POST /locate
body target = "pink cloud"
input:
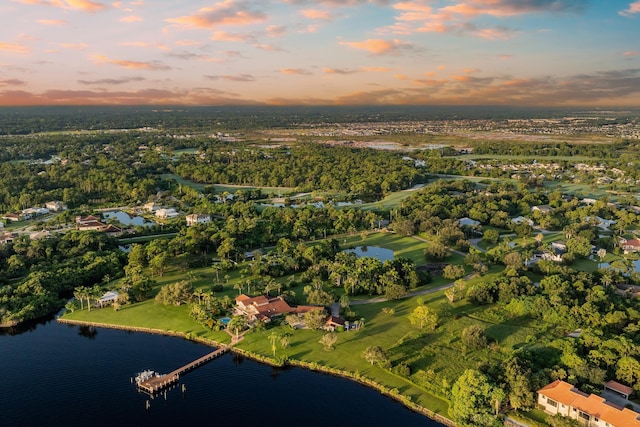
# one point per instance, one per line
(13, 47)
(232, 37)
(130, 19)
(632, 10)
(84, 5)
(276, 30)
(76, 46)
(142, 65)
(380, 46)
(52, 22)
(631, 53)
(296, 71)
(226, 12)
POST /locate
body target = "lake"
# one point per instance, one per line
(125, 219)
(55, 374)
(383, 254)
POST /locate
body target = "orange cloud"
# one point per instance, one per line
(77, 46)
(296, 71)
(232, 37)
(142, 65)
(84, 5)
(52, 22)
(412, 11)
(187, 43)
(130, 19)
(13, 47)
(380, 46)
(226, 12)
(322, 15)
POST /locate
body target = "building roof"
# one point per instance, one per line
(620, 388)
(593, 405)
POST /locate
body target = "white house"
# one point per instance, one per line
(55, 206)
(167, 213)
(468, 222)
(194, 219)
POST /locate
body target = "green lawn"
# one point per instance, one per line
(436, 359)
(221, 188)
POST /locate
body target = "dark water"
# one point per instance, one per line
(62, 375)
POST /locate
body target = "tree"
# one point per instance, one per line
(473, 337)
(473, 400)
(328, 341)
(285, 339)
(436, 252)
(314, 319)
(453, 272)
(491, 236)
(273, 337)
(374, 354)
(175, 293)
(237, 324)
(423, 318)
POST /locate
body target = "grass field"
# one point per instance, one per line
(221, 188)
(436, 358)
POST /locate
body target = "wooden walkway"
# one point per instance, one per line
(156, 384)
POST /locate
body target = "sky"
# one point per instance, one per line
(320, 52)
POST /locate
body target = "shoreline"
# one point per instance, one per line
(312, 366)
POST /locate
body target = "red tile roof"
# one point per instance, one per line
(620, 388)
(593, 405)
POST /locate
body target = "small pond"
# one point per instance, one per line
(125, 219)
(383, 254)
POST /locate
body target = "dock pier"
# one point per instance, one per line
(156, 384)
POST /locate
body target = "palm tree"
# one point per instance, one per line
(273, 337)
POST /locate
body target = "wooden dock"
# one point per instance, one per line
(156, 384)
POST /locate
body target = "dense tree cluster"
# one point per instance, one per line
(35, 275)
(360, 173)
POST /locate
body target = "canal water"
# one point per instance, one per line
(53, 374)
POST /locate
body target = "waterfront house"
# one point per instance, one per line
(107, 298)
(562, 398)
(264, 308)
(166, 213)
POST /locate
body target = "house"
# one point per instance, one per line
(544, 209)
(107, 298)
(31, 212)
(39, 235)
(602, 223)
(194, 219)
(631, 245)
(150, 207)
(167, 213)
(13, 217)
(591, 410)
(520, 219)
(90, 226)
(87, 219)
(55, 206)
(468, 222)
(334, 323)
(7, 237)
(619, 389)
(264, 308)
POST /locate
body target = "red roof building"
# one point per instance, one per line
(563, 398)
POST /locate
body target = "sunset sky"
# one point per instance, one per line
(324, 52)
